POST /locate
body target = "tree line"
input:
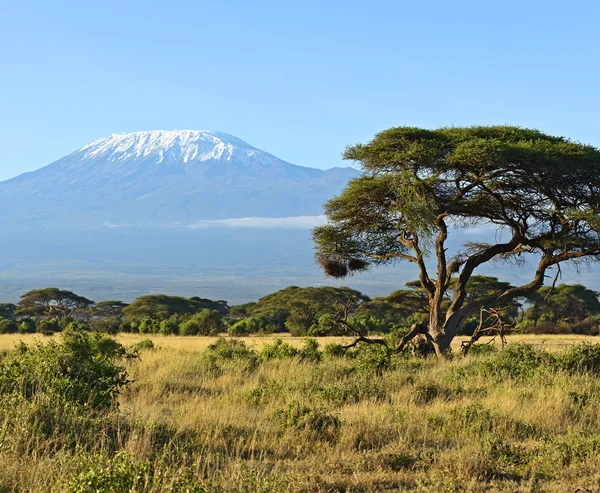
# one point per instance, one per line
(309, 311)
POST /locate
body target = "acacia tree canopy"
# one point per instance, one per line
(542, 192)
(51, 302)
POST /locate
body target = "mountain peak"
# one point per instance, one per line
(188, 145)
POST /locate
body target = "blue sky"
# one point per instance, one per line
(298, 79)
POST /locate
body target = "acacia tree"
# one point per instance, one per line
(51, 302)
(541, 192)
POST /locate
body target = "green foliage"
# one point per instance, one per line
(206, 322)
(162, 307)
(310, 350)
(7, 310)
(278, 350)
(374, 359)
(564, 305)
(143, 345)
(82, 369)
(321, 425)
(27, 326)
(580, 358)
(44, 326)
(517, 361)
(8, 326)
(299, 310)
(108, 309)
(51, 302)
(230, 349)
(119, 474)
(334, 350)
(245, 327)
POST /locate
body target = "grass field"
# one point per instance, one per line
(198, 420)
(550, 342)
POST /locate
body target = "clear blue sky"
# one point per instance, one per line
(298, 79)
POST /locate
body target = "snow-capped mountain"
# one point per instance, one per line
(160, 178)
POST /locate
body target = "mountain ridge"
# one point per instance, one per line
(164, 177)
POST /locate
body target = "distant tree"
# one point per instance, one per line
(162, 307)
(51, 303)
(563, 304)
(238, 312)
(221, 306)
(298, 309)
(108, 309)
(7, 310)
(541, 191)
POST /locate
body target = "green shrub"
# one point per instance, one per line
(148, 326)
(82, 369)
(27, 326)
(119, 474)
(168, 327)
(310, 350)
(582, 358)
(373, 359)
(47, 326)
(518, 361)
(230, 349)
(278, 350)
(334, 350)
(320, 424)
(206, 322)
(245, 327)
(8, 326)
(143, 345)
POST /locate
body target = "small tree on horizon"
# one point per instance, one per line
(541, 191)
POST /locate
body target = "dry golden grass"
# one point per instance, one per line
(550, 342)
(336, 425)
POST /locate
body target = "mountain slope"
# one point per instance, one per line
(165, 178)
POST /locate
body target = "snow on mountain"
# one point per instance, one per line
(161, 178)
(186, 145)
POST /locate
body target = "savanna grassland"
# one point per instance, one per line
(84, 415)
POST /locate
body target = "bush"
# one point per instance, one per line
(47, 326)
(83, 369)
(206, 322)
(320, 424)
(144, 344)
(334, 350)
(230, 349)
(373, 359)
(278, 350)
(27, 326)
(583, 358)
(120, 474)
(245, 327)
(8, 326)
(518, 361)
(168, 327)
(310, 350)
(148, 326)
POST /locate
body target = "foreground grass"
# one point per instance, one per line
(196, 420)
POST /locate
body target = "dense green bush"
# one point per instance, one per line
(8, 326)
(84, 369)
(206, 322)
(583, 358)
(245, 327)
(278, 350)
(517, 360)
